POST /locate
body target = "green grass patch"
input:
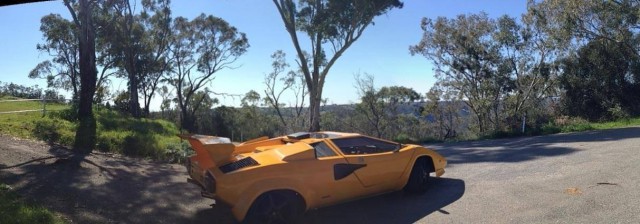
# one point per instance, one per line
(13, 209)
(566, 124)
(6, 106)
(149, 138)
(117, 133)
(617, 124)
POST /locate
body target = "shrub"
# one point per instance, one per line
(404, 138)
(54, 131)
(142, 145)
(576, 124)
(69, 114)
(550, 128)
(178, 152)
(618, 113)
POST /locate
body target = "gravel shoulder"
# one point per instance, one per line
(589, 177)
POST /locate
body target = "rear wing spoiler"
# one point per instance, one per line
(210, 150)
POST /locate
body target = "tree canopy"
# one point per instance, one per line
(328, 24)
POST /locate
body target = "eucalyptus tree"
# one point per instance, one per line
(61, 43)
(85, 137)
(445, 109)
(199, 49)
(380, 108)
(136, 41)
(602, 81)
(328, 24)
(576, 22)
(156, 20)
(467, 60)
(124, 44)
(600, 40)
(279, 82)
(504, 69)
(529, 57)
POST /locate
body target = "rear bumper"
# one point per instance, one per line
(203, 191)
(199, 177)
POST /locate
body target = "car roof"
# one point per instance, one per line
(333, 134)
(321, 135)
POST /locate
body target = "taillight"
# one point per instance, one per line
(209, 183)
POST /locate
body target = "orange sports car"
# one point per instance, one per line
(276, 180)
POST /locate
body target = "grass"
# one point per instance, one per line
(27, 105)
(14, 210)
(565, 125)
(117, 133)
(617, 124)
(21, 124)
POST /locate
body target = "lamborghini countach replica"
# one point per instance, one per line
(276, 180)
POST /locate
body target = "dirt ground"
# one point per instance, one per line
(105, 188)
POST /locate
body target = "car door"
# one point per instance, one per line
(326, 177)
(381, 162)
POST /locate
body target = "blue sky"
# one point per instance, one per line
(382, 51)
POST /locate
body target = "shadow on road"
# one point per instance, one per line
(527, 148)
(395, 207)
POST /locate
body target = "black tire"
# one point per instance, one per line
(276, 207)
(419, 178)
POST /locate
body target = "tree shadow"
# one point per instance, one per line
(526, 148)
(396, 207)
(107, 190)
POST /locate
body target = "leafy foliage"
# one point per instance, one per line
(501, 69)
(206, 44)
(597, 82)
(62, 44)
(329, 24)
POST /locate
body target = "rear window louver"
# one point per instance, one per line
(246, 162)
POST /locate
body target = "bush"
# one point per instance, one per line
(69, 114)
(54, 131)
(618, 113)
(567, 124)
(178, 152)
(405, 139)
(550, 128)
(576, 124)
(111, 141)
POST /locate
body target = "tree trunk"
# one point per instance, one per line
(187, 120)
(134, 104)
(314, 110)
(85, 139)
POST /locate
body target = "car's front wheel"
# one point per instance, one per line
(276, 207)
(419, 177)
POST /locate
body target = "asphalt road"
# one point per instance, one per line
(589, 177)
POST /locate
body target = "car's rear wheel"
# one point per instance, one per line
(276, 207)
(419, 177)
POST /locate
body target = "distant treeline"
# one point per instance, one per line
(29, 92)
